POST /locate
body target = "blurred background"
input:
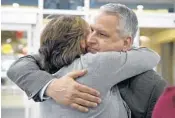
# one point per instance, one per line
(22, 21)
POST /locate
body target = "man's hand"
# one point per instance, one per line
(67, 91)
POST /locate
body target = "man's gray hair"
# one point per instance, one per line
(128, 19)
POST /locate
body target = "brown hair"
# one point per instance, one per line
(60, 42)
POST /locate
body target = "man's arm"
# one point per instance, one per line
(27, 74)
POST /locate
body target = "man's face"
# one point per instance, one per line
(105, 34)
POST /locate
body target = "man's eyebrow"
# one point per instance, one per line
(102, 30)
(99, 29)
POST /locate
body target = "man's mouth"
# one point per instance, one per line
(92, 50)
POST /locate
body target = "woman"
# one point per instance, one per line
(63, 48)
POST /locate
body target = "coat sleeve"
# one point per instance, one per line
(27, 74)
(105, 69)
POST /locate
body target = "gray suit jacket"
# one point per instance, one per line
(20, 77)
(105, 69)
(141, 93)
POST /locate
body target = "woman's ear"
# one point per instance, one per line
(127, 44)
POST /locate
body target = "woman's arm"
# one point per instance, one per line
(105, 69)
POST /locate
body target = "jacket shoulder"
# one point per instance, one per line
(141, 92)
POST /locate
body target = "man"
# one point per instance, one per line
(113, 30)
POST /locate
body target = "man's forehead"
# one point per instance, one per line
(101, 23)
(97, 26)
(96, 23)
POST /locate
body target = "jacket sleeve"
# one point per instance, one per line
(105, 69)
(27, 74)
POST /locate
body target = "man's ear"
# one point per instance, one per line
(83, 45)
(127, 44)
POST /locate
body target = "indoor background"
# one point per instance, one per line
(22, 21)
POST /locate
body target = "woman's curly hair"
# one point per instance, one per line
(60, 42)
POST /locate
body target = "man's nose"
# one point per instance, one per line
(91, 39)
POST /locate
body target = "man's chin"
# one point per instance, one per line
(92, 50)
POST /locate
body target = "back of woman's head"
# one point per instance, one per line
(60, 42)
